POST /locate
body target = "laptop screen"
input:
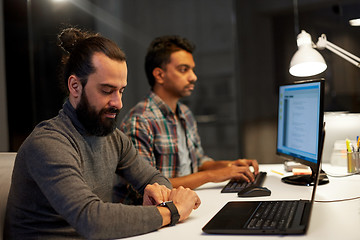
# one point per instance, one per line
(300, 121)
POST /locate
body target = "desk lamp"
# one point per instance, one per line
(308, 62)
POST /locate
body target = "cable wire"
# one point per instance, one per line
(340, 176)
(296, 18)
(337, 200)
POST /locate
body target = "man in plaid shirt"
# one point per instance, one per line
(164, 130)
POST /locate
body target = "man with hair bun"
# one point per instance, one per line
(66, 171)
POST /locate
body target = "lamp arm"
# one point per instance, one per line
(343, 51)
(343, 55)
(324, 43)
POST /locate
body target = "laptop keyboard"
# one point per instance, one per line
(234, 186)
(273, 215)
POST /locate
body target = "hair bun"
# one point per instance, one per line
(69, 37)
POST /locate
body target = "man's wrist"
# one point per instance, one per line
(174, 214)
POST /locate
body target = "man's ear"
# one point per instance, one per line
(74, 85)
(158, 74)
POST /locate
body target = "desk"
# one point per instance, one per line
(339, 220)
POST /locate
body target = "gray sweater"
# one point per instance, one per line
(63, 184)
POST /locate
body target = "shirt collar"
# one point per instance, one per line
(164, 108)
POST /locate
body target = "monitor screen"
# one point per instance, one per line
(300, 121)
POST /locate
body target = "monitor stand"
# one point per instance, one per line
(306, 180)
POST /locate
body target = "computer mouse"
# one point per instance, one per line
(254, 192)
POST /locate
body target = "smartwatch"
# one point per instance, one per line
(173, 210)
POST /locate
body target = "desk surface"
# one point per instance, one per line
(335, 220)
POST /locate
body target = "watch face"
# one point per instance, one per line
(163, 204)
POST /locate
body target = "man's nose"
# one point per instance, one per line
(116, 100)
(193, 77)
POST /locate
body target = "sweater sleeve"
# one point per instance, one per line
(55, 167)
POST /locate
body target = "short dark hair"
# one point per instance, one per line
(79, 47)
(160, 50)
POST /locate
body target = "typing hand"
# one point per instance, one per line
(247, 162)
(232, 171)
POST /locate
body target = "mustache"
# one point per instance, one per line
(192, 82)
(112, 110)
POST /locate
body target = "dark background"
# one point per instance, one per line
(243, 54)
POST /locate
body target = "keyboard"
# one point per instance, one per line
(273, 215)
(234, 186)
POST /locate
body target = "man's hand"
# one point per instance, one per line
(247, 162)
(155, 194)
(185, 200)
(237, 169)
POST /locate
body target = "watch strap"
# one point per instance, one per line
(173, 211)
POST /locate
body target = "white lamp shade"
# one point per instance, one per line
(306, 61)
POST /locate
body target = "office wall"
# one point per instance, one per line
(4, 135)
(210, 24)
(257, 83)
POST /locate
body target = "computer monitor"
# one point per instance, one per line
(300, 127)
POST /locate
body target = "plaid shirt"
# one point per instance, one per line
(152, 127)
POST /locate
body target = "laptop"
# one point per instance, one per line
(266, 217)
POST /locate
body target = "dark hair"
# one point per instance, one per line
(159, 51)
(79, 47)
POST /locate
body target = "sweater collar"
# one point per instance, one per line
(70, 111)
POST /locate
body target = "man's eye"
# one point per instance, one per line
(183, 69)
(106, 92)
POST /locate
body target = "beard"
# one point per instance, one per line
(92, 120)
